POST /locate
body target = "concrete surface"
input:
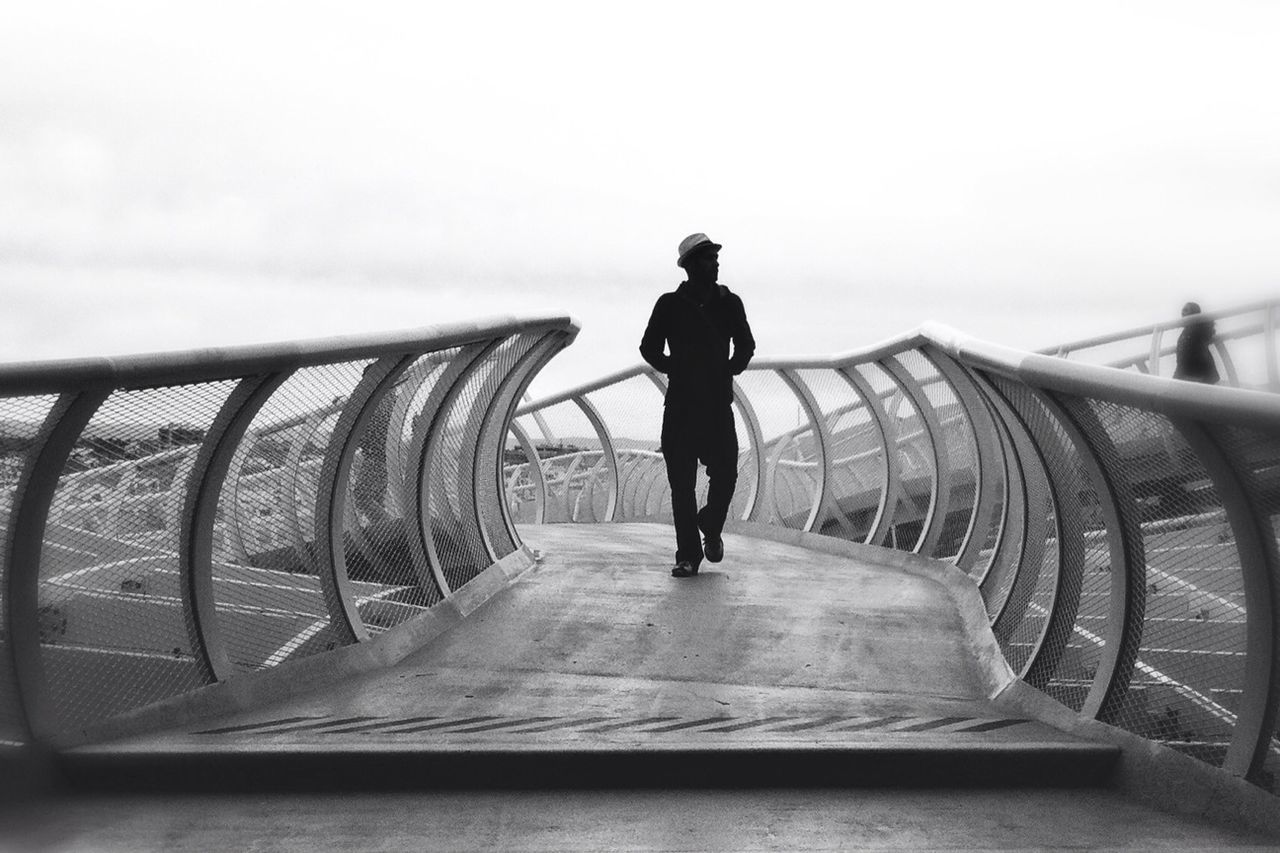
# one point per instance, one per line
(598, 645)
(598, 648)
(781, 820)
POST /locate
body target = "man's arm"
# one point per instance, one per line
(744, 343)
(654, 339)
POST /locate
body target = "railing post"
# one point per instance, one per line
(755, 436)
(939, 502)
(822, 441)
(1029, 518)
(1126, 551)
(986, 487)
(888, 433)
(202, 487)
(534, 464)
(472, 360)
(1060, 621)
(608, 455)
(24, 544)
(1255, 538)
(379, 377)
(495, 520)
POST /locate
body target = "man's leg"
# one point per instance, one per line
(681, 456)
(720, 454)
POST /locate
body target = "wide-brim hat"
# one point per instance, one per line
(694, 243)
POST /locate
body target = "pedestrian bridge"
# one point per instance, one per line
(373, 563)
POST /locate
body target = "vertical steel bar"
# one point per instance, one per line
(501, 538)
(987, 465)
(472, 361)
(755, 436)
(1242, 497)
(331, 495)
(822, 446)
(202, 487)
(888, 433)
(609, 454)
(24, 544)
(939, 502)
(1126, 551)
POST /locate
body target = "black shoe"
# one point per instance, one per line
(713, 549)
(684, 569)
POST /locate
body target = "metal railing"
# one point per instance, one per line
(1246, 346)
(1122, 528)
(176, 520)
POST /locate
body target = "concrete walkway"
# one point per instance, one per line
(598, 646)
(596, 649)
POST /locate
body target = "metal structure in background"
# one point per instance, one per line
(1246, 346)
(171, 521)
(1122, 528)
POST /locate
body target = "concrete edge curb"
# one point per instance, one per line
(1156, 775)
(250, 690)
(976, 624)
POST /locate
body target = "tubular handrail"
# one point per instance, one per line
(1160, 326)
(205, 365)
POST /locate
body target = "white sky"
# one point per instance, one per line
(1028, 173)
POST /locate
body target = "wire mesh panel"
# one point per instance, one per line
(856, 468)
(491, 477)
(1025, 492)
(112, 627)
(1258, 454)
(391, 579)
(20, 421)
(792, 459)
(453, 519)
(959, 448)
(632, 413)
(913, 456)
(1190, 661)
(1065, 657)
(269, 602)
(521, 471)
(573, 464)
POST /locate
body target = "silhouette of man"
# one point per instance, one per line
(697, 322)
(1193, 358)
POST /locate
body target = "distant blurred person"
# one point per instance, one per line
(697, 322)
(1194, 359)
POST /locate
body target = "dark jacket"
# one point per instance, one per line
(697, 337)
(1194, 359)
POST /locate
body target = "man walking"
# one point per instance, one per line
(696, 322)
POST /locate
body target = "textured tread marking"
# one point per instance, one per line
(813, 724)
(248, 727)
(689, 724)
(382, 724)
(444, 724)
(992, 725)
(878, 722)
(927, 725)
(749, 724)
(626, 723)
(504, 724)
(564, 724)
(327, 723)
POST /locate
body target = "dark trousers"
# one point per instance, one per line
(693, 434)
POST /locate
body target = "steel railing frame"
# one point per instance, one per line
(1148, 341)
(188, 508)
(1036, 444)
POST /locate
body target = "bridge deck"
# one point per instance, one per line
(599, 647)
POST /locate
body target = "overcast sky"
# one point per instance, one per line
(1028, 173)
